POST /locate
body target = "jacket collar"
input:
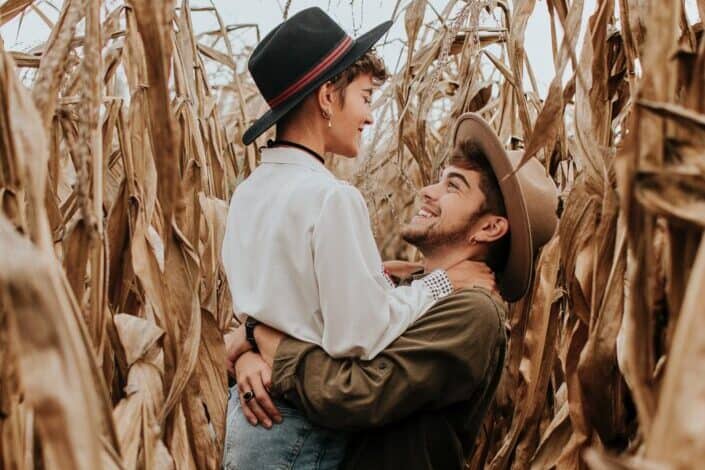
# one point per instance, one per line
(293, 156)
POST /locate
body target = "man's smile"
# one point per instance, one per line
(426, 213)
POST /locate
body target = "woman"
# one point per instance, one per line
(298, 249)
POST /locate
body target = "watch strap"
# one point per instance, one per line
(250, 325)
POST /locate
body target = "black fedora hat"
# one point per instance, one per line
(298, 56)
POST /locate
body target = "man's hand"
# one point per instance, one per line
(235, 345)
(254, 376)
(468, 274)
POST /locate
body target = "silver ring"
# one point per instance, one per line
(248, 396)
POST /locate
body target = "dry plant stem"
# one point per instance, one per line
(242, 105)
(55, 53)
(153, 19)
(90, 176)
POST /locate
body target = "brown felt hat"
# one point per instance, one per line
(530, 197)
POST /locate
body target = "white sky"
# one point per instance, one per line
(365, 14)
(356, 17)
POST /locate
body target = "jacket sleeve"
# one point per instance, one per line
(440, 360)
(362, 312)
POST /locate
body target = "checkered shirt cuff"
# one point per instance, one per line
(438, 283)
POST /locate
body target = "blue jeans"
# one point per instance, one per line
(294, 444)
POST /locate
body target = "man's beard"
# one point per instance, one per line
(430, 237)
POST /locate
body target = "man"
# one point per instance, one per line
(422, 400)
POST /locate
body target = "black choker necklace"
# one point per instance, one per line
(281, 142)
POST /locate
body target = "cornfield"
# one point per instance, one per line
(118, 156)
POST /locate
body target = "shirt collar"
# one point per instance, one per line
(293, 156)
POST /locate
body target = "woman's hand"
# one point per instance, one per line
(401, 269)
(254, 377)
(235, 345)
(467, 274)
(268, 340)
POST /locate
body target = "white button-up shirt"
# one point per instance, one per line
(300, 257)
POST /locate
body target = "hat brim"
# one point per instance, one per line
(360, 46)
(514, 280)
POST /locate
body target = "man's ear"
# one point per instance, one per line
(492, 228)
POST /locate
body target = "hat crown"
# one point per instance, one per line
(541, 196)
(293, 49)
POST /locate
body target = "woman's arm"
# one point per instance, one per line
(235, 346)
(361, 312)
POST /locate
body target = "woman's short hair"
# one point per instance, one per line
(369, 63)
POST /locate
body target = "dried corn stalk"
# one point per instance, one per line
(116, 166)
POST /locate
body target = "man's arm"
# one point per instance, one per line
(439, 360)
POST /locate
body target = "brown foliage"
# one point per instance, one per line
(115, 169)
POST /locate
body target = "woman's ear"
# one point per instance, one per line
(492, 228)
(326, 99)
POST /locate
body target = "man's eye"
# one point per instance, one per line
(452, 185)
(368, 100)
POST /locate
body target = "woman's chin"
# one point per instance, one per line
(349, 153)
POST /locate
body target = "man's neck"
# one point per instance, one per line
(445, 257)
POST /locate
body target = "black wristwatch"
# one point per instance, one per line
(250, 325)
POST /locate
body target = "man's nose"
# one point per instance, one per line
(429, 192)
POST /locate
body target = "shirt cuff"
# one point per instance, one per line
(438, 283)
(388, 278)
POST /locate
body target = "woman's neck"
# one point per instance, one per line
(303, 136)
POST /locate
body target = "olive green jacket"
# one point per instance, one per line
(421, 401)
